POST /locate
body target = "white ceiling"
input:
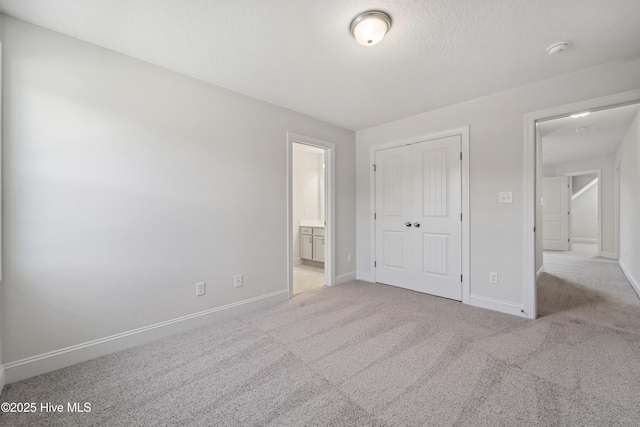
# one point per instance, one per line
(299, 54)
(601, 134)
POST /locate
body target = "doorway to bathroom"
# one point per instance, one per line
(310, 224)
(308, 201)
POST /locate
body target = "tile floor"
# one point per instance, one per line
(307, 277)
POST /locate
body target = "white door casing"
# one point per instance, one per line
(529, 170)
(555, 210)
(329, 206)
(419, 217)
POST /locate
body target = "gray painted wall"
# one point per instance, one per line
(496, 160)
(578, 182)
(584, 215)
(125, 184)
(628, 156)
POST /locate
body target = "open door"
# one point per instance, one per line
(555, 213)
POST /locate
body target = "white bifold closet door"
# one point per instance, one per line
(419, 217)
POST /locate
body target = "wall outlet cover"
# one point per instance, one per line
(237, 280)
(200, 288)
(493, 277)
(505, 197)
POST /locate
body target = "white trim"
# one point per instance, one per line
(497, 305)
(297, 261)
(3, 378)
(329, 206)
(463, 131)
(529, 180)
(365, 277)
(616, 208)
(634, 284)
(47, 362)
(345, 278)
(539, 273)
(584, 240)
(610, 255)
(584, 189)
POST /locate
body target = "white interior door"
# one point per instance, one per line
(555, 213)
(418, 217)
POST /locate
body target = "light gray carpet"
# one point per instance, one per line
(371, 355)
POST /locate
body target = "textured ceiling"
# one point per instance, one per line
(299, 54)
(600, 133)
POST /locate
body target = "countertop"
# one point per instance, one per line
(312, 223)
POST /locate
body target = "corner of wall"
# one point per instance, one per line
(627, 272)
(2, 379)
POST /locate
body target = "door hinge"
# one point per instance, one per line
(460, 217)
(374, 167)
(461, 155)
(374, 215)
(375, 264)
(461, 278)
(568, 240)
(568, 213)
(534, 229)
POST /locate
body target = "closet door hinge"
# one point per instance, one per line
(461, 277)
(374, 167)
(461, 155)
(375, 264)
(374, 215)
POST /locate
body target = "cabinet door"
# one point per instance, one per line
(318, 248)
(306, 246)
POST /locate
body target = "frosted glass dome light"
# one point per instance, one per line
(370, 27)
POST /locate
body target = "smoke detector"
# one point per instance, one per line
(557, 47)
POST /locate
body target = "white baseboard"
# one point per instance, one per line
(365, 277)
(634, 283)
(47, 362)
(2, 378)
(297, 261)
(610, 255)
(539, 273)
(497, 305)
(584, 240)
(344, 278)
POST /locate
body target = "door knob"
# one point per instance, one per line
(416, 224)
(408, 224)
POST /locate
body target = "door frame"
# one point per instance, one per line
(597, 172)
(530, 169)
(463, 132)
(329, 205)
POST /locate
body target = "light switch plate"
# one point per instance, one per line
(505, 197)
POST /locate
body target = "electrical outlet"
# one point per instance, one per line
(200, 288)
(505, 197)
(237, 280)
(493, 277)
(349, 258)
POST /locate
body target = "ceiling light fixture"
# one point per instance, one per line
(577, 116)
(557, 47)
(369, 28)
